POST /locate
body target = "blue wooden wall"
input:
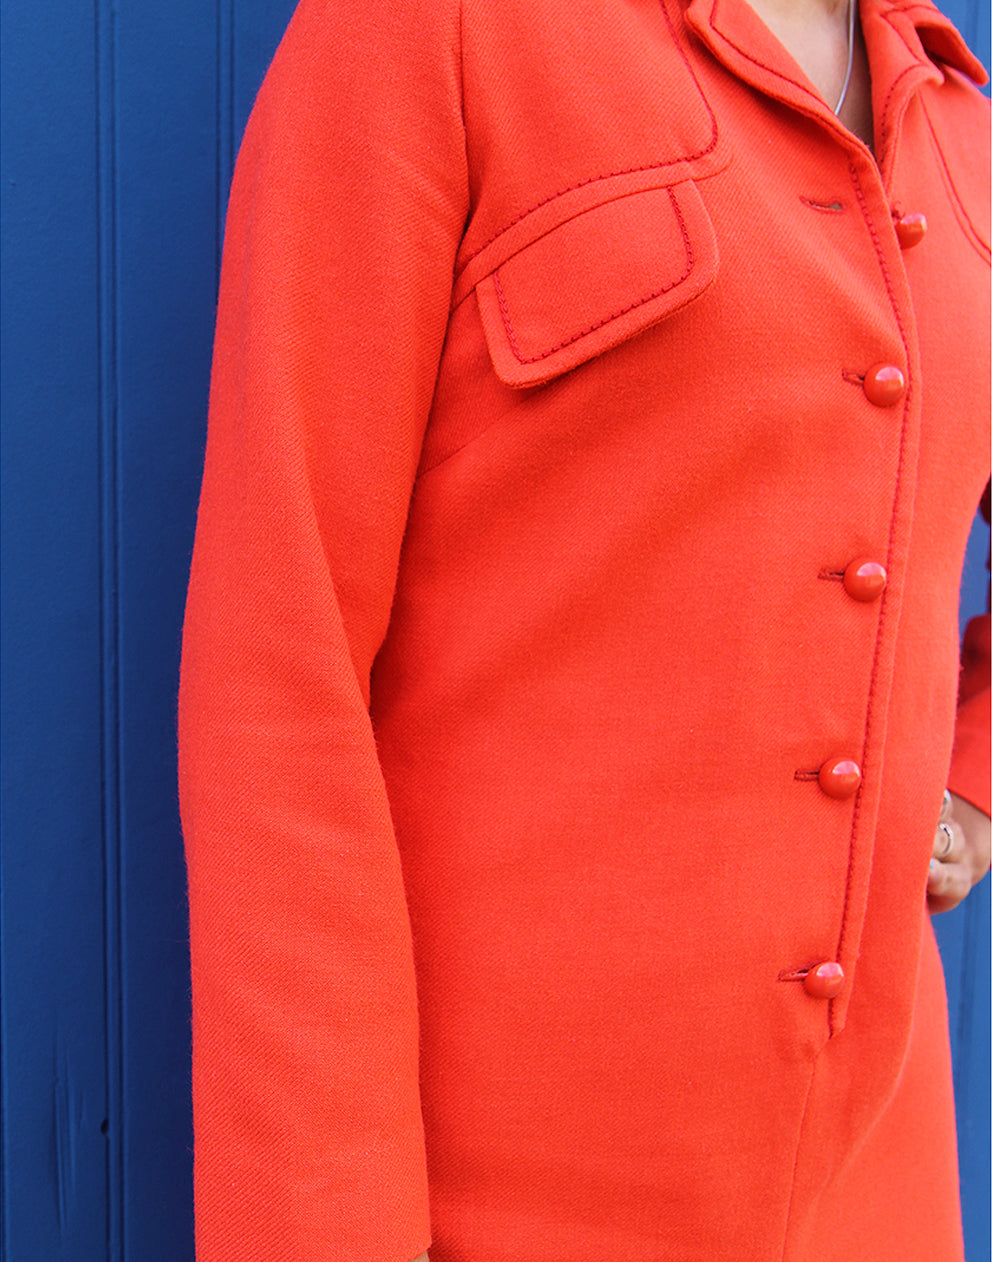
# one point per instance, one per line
(120, 121)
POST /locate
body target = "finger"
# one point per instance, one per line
(947, 885)
(976, 830)
(947, 805)
(944, 842)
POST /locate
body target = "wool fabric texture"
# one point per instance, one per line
(518, 637)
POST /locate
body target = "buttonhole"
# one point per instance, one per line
(829, 208)
(835, 576)
(807, 775)
(855, 378)
(793, 974)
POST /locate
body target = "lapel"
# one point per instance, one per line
(908, 42)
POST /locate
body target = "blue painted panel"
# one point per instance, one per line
(53, 904)
(120, 126)
(172, 171)
(166, 189)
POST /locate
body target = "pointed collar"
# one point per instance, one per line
(909, 42)
(928, 36)
(935, 36)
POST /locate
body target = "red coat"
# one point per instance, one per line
(525, 626)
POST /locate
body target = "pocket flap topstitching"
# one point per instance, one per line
(595, 280)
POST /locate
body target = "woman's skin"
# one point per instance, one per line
(954, 872)
(815, 34)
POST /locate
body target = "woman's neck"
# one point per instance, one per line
(816, 33)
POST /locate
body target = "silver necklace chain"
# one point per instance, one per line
(851, 11)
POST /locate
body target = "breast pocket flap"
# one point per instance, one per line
(596, 280)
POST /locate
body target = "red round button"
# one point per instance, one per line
(884, 385)
(825, 981)
(865, 579)
(840, 777)
(911, 229)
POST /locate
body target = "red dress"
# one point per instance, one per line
(569, 360)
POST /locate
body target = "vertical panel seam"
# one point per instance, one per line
(109, 502)
(225, 117)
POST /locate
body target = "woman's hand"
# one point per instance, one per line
(961, 851)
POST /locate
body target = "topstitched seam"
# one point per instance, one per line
(913, 52)
(951, 186)
(887, 124)
(757, 61)
(609, 175)
(919, 63)
(461, 80)
(883, 612)
(923, 63)
(423, 471)
(936, 21)
(533, 359)
(795, 1164)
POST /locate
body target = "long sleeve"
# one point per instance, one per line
(969, 776)
(347, 207)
